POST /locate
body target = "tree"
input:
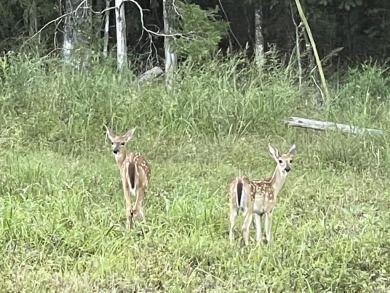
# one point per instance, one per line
(259, 40)
(106, 28)
(170, 54)
(77, 27)
(121, 49)
(32, 18)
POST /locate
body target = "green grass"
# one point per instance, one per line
(62, 224)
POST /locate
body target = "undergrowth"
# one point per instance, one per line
(61, 204)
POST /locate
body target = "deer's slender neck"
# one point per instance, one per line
(120, 157)
(277, 179)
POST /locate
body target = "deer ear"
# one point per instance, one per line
(291, 151)
(129, 134)
(109, 133)
(273, 151)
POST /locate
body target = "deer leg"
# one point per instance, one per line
(138, 210)
(258, 227)
(232, 217)
(268, 224)
(126, 194)
(246, 225)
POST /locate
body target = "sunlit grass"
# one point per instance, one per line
(62, 224)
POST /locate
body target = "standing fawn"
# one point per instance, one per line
(134, 171)
(258, 197)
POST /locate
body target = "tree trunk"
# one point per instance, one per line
(32, 18)
(170, 54)
(259, 40)
(69, 38)
(121, 53)
(77, 28)
(106, 28)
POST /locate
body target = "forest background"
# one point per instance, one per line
(208, 84)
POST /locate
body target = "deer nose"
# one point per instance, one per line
(288, 169)
(115, 151)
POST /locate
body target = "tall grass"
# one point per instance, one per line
(216, 100)
(61, 204)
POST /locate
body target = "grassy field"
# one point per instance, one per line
(62, 217)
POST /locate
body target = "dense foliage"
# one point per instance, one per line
(353, 25)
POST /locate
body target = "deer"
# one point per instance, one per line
(258, 197)
(134, 171)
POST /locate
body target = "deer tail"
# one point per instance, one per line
(132, 171)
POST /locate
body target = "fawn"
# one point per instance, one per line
(258, 197)
(135, 173)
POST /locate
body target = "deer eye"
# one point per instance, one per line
(291, 161)
(280, 161)
(122, 143)
(112, 143)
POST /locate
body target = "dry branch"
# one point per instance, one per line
(325, 125)
(314, 48)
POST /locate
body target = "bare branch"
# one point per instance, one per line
(187, 36)
(313, 44)
(319, 89)
(230, 29)
(176, 9)
(55, 20)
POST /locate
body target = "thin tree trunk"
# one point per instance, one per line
(121, 48)
(33, 20)
(309, 51)
(317, 58)
(259, 40)
(77, 28)
(297, 48)
(69, 38)
(106, 28)
(170, 54)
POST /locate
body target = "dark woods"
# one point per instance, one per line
(345, 31)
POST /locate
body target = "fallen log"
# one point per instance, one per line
(325, 125)
(151, 74)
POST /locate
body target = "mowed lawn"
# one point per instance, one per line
(63, 225)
